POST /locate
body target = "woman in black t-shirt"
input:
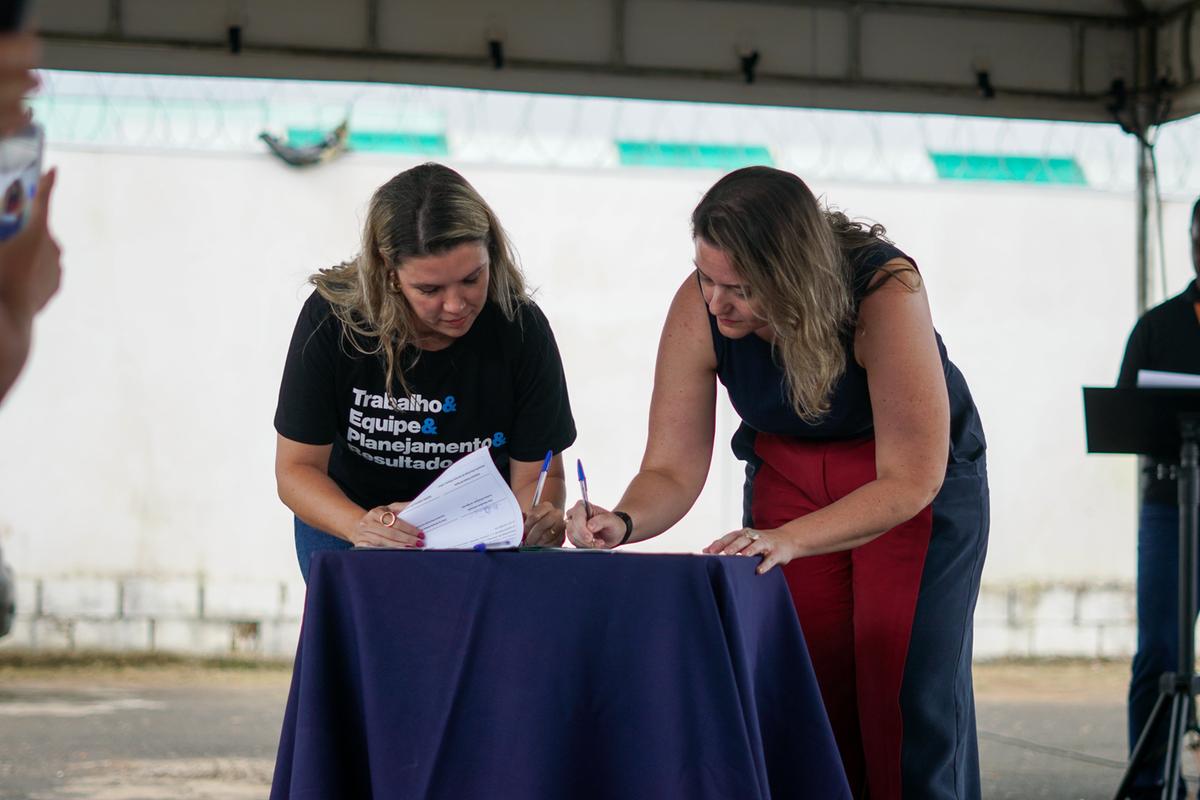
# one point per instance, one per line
(422, 349)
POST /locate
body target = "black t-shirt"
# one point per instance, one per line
(1166, 338)
(500, 385)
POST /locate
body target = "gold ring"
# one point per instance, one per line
(752, 535)
(387, 518)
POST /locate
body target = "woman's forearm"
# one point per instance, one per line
(553, 491)
(869, 511)
(655, 500)
(15, 335)
(13, 354)
(314, 497)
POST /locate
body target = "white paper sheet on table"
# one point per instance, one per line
(1156, 379)
(467, 505)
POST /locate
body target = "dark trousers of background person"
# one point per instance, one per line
(1158, 635)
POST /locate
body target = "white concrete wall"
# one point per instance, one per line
(138, 444)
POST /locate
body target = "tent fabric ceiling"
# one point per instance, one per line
(1106, 8)
(1069, 59)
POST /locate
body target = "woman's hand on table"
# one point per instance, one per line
(774, 546)
(603, 531)
(382, 527)
(544, 526)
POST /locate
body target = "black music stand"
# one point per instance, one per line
(1163, 424)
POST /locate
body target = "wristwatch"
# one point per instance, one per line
(628, 526)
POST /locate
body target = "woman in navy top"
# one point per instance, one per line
(865, 473)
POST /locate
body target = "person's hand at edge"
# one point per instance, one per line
(30, 262)
(30, 273)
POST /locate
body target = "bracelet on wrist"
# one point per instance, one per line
(628, 526)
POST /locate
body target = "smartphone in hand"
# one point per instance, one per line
(20, 169)
(20, 152)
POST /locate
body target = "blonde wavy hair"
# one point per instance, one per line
(796, 260)
(426, 210)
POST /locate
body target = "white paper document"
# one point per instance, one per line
(1155, 379)
(468, 505)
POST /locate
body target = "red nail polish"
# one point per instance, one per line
(420, 544)
(420, 534)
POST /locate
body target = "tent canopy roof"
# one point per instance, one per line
(1086, 60)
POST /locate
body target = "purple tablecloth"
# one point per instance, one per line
(555, 675)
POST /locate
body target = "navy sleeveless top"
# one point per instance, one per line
(757, 385)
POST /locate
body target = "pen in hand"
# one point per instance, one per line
(537, 493)
(587, 507)
(541, 482)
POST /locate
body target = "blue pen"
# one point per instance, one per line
(587, 507)
(483, 547)
(537, 493)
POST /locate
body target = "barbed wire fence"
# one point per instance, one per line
(101, 111)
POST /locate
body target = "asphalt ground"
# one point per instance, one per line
(138, 729)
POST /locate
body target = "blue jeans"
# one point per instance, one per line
(309, 540)
(1158, 633)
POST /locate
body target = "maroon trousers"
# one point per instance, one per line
(856, 607)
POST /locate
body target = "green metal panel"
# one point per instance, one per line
(428, 144)
(691, 155)
(1018, 169)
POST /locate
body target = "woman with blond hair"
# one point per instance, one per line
(865, 471)
(422, 349)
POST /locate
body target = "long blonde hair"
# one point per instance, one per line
(423, 211)
(795, 258)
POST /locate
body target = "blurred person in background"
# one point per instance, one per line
(29, 262)
(1166, 338)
